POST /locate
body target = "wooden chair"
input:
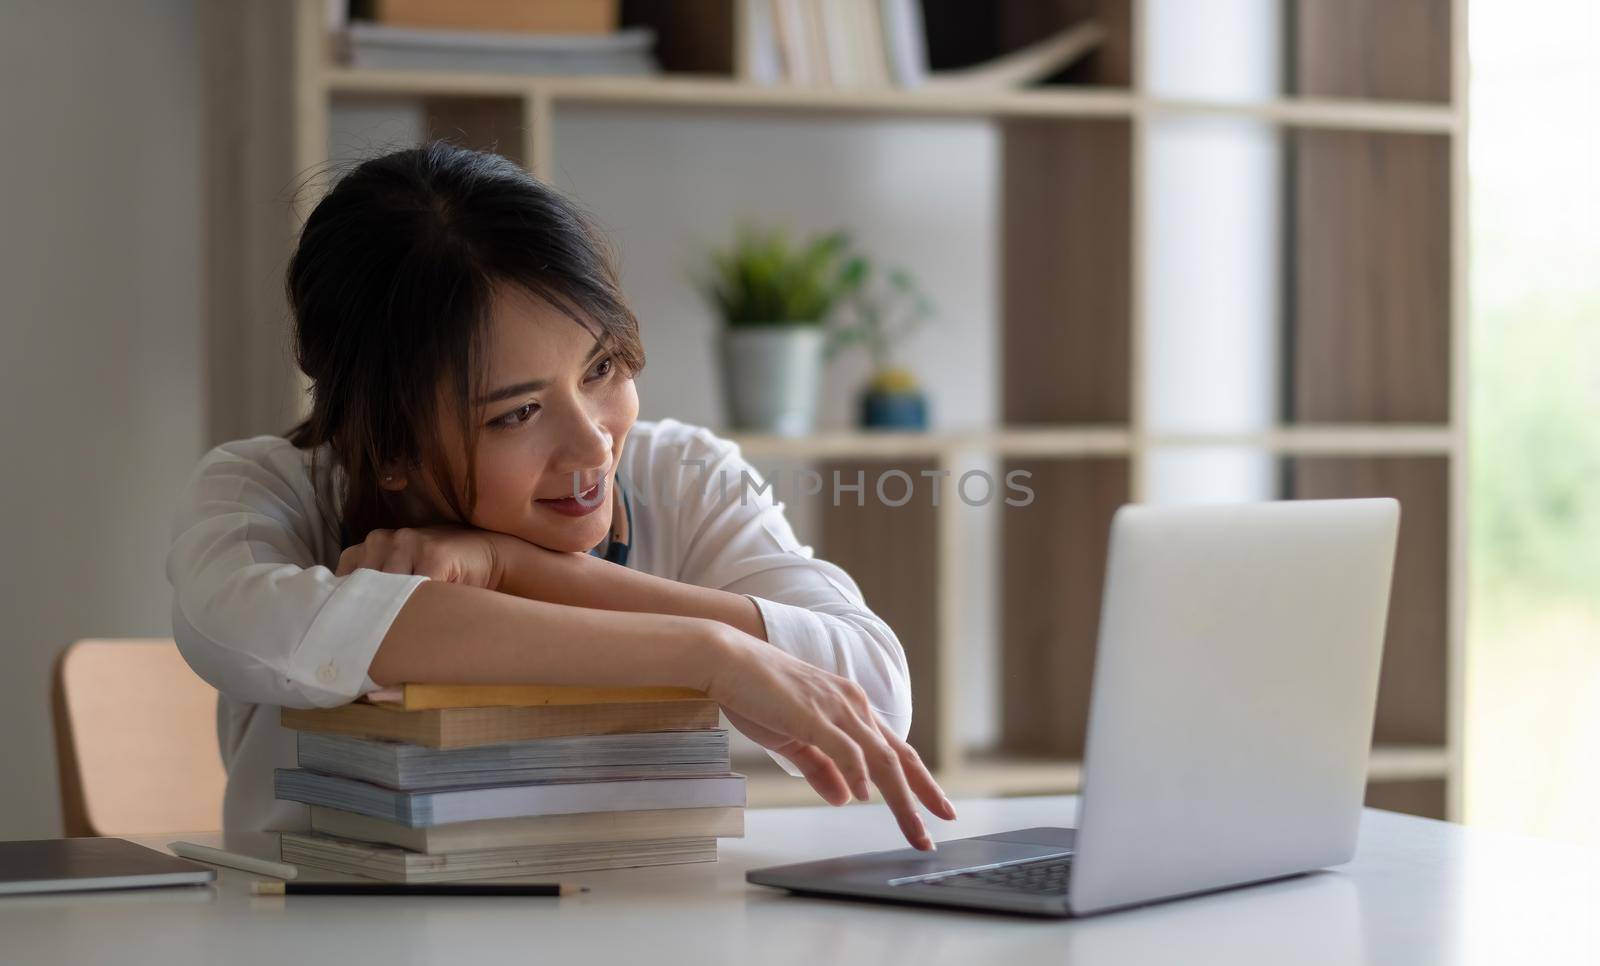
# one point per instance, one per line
(136, 740)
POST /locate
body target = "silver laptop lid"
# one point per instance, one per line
(1234, 687)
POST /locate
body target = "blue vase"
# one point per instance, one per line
(899, 410)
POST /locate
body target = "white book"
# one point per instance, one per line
(428, 807)
(905, 40)
(816, 42)
(759, 59)
(838, 44)
(871, 50)
(789, 23)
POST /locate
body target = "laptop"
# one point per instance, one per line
(1235, 680)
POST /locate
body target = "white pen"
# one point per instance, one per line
(204, 853)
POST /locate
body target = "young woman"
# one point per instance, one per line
(472, 500)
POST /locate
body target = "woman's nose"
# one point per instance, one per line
(584, 443)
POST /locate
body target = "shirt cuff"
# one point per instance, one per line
(795, 631)
(330, 666)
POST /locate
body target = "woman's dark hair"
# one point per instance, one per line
(390, 288)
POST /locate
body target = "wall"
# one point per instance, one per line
(100, 344)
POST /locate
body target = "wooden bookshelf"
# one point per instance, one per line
(1373, 119)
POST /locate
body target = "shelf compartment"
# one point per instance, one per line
(892, 552)
(1053, 554)
(1015, 25)
(1370, 277)
(1065, 271)
(1379, 49)
(1413, 684)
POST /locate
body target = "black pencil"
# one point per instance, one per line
(415, 889)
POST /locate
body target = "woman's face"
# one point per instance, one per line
(551, 428)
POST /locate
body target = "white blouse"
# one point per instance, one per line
(258, 613)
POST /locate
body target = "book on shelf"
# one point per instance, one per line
(758, 50)
(838, 43)
(905, 43)
(378, 46)
(541, 17)
(392, 864)
(831, 43)
(466, 727)
(813, 33)
(789, 29)
(496, 833)
(422, 697)
(425, 807)
(402, 766)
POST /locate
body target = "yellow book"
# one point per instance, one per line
(428, 697)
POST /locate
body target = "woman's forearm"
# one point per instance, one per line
(580, 580)
(452, 633)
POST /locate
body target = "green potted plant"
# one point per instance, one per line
(883, 312)
(775, 299)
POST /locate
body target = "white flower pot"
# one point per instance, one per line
(771, 377)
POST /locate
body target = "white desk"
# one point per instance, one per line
(1419, 892)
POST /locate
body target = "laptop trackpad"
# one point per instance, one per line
(910, 863)
(1055, 838)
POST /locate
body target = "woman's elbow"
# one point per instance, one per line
(238, 675)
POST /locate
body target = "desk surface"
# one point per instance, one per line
(1418, 892)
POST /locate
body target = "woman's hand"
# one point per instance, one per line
(823, 723)
(457, 555)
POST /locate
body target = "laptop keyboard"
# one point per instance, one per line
(1040, 877)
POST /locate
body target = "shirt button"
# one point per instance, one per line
(327, 674)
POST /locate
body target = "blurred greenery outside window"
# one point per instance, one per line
(1532, 742)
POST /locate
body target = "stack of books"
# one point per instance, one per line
(546, 37)
(442, 783)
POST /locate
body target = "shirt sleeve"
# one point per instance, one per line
(738, 540)
(253, 611)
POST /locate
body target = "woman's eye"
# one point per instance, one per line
(518, 416)
(603, 368)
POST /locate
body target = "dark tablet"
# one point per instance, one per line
(76, 865)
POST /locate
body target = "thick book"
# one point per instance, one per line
(424, 697)
(425, 807)
(392, 864)
(466, 727)
(394, 764)
(505, 833)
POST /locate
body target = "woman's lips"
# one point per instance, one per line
(579, 506)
